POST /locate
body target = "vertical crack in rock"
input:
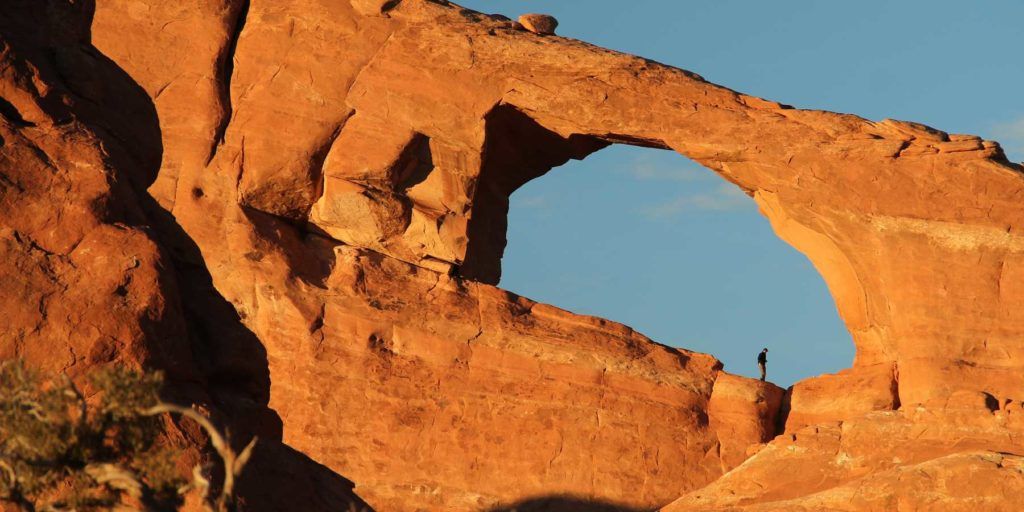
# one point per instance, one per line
(742, 412)
(895, 386)
(226, 71)
(316, 329)
(367, 63)
(319, 156)
(478, 297)
(241, 166)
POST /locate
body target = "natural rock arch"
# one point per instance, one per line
(833, 185)
(629, 213)
(316, 109)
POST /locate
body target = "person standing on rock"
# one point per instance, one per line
(762, 360)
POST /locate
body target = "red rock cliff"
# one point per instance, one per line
(331, 183)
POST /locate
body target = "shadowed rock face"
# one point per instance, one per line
(94, 273)
(337, 178)
(69, 195)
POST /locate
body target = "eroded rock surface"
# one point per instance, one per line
(539, 23)
(961, 453)
(308, 217)
(93, 273)
(744, 414)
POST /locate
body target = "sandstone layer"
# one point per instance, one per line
(92, 271)
(961, 453)
(298, 209)
(744, 414)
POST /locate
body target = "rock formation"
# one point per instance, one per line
(962, 453)
(298, 209)
(94, 273)
(539, 23)
(744, 414)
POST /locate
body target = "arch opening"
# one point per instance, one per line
(650, 239)
(516, 150)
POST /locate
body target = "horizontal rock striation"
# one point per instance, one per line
(298, 208)
(959, 453)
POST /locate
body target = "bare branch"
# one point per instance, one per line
(233, 463)
(115, 477)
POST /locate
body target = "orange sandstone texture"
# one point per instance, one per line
(93, 273)
(345, 143)
(954, 454)
(429, 391)
(539, 23)
(744, 413)
(840, 395)
(331, 179)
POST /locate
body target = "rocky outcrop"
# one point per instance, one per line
(386, 363)
(93, 273)
(956, 454)
(299, 209)
(539, 23)
(846, 394)
(744, 414)
(85, 282)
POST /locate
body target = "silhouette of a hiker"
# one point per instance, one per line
(762, 360)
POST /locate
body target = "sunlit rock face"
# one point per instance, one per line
(301, 207)
(94, 273)
(960, 453)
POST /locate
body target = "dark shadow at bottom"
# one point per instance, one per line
(279, 478)
(565, 503)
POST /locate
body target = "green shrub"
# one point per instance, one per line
(59, 451)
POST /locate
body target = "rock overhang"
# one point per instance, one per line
(913, 229)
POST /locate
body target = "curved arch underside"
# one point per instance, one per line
(344, 171)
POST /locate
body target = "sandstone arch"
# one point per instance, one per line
(387, 370)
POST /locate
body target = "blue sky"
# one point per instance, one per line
(650, 239)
